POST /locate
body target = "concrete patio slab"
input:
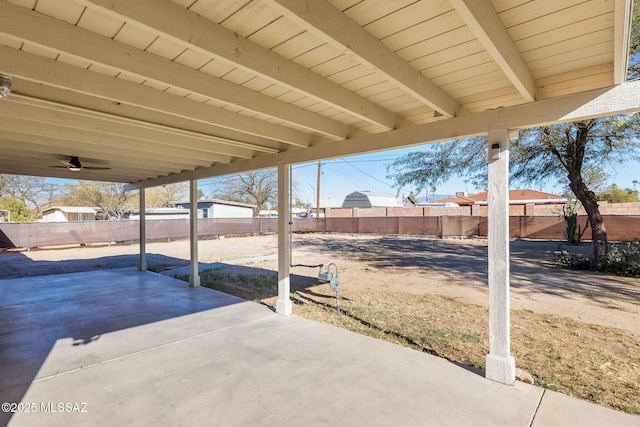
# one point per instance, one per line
(122, 347)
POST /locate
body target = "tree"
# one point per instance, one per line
(613, 194)
(34, 192)
(258, 188)
(559, 152)
(162, 196)
(19, 212)
(110, 197)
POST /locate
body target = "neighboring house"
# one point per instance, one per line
(68, 214)
(160, 213)
(521, 202)
(367, 199)
(516, 197)
(408, 202)
(216, 208)
(266, 213)
(330, 203)
(295, 213)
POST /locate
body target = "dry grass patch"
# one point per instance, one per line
(590, 362)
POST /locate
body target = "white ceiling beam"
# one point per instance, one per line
(21, 107)
(47, 156)
(55, 73)
(108, 109)
(23, 24)
(58, 149)
(36, 165)
(334, 27)
(622, 38)
(191, 30)
(33, 126)
(484, 22)
(85, 174)
(621, 99)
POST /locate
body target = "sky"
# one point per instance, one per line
(368, 172)
(344, 175)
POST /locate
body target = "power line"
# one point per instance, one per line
(366, 173)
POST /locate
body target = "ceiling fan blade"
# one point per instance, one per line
(74, 165)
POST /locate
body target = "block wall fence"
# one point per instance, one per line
(32, 235)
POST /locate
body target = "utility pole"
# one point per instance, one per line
(318, 190)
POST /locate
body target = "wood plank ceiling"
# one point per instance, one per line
(157, 88)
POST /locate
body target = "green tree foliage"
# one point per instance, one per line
(34, 192)
(560, 153)
(613, 194)
(19, 210)
(258, 188)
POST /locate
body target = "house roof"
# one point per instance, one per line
(373, 200)
(515, 197)
(333, 202)
(221, 202)
(521, 195)
(163, 211)
(71, 209)
(149, 92)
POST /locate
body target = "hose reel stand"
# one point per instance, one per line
(333, 279)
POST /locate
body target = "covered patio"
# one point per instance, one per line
(149, 350)
(150, 92)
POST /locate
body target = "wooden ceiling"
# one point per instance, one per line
(160, 91)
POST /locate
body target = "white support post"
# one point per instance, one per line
(142, 264)
(283, 304)
(500, 365)
(194, 277)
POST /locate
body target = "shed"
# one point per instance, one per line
(68, 214)
(367, 199)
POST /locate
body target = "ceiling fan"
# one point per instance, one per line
(74, 165)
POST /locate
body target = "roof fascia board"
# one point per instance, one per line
(622, 38)
(621, 99)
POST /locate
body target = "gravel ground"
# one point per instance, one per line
(414, 264)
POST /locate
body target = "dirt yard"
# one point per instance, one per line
(409, 264)
(575, 332)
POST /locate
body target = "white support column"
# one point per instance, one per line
(500, 365)
(194, 277)
(142, 264)
(283, 304)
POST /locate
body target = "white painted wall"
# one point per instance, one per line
(227, 211)
(54, 216)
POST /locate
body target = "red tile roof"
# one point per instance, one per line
(514, 195)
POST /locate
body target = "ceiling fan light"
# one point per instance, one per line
(74, 164)
(5, 86)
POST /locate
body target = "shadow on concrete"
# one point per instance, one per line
(15, 264)
(76, 311)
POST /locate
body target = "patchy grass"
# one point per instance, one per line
(246, 286)
(590, 362)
